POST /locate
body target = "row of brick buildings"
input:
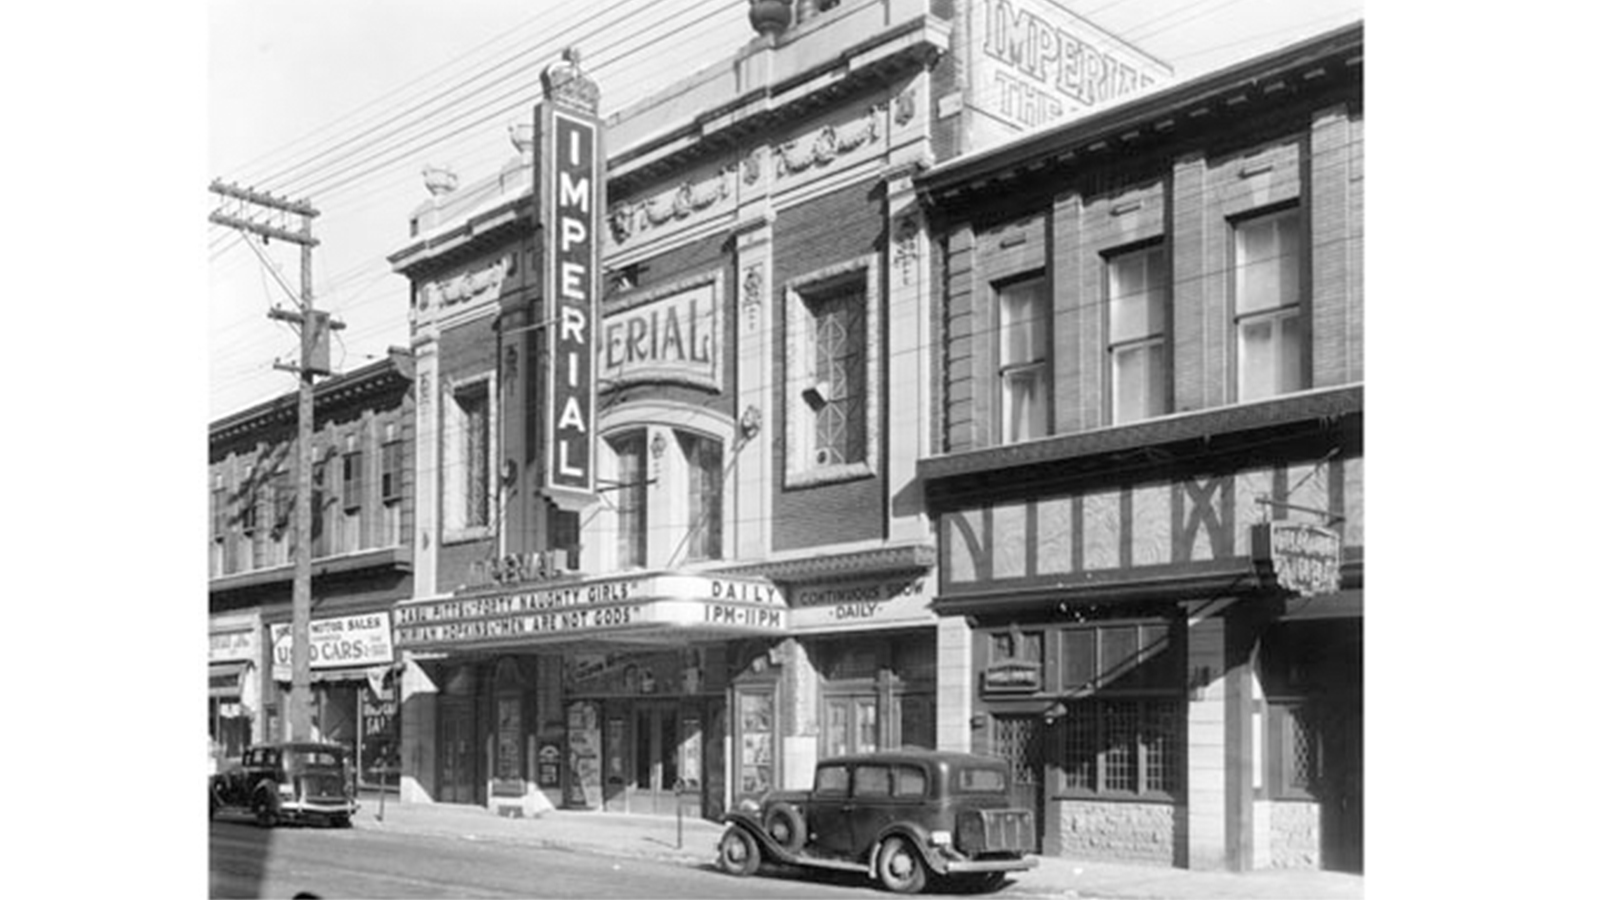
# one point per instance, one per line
(905, 385)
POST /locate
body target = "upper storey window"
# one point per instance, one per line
(1024, 338)
(468, 426)
(1138, 298)
(1267, 289)
(830, 374)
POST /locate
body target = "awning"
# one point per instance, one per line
(227, 679)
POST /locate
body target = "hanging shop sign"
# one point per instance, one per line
(1012, 675)
(572, 196)
(662, 605)
(1304, 558)
(883, 601)
(336, 643)
(670, 340)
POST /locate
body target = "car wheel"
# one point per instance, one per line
(738, 853)
(900, 866)
(787, 827)
(266, 806)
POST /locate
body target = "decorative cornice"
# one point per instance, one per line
(392, 374)
(854, 564)
(1330, 61)
(396, 558)
(1082, 447)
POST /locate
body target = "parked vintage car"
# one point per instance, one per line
(897, 816)
(298, 781)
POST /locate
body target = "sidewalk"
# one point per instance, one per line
(650, 837)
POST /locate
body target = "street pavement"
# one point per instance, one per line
(693, 842)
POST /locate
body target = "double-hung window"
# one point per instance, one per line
(282, 516)
(354, 486)
(1137, 301)
(468, 495)
(219, 526)
(631, 498)
(389, 484)
(1024, 358)
(704, 458)
(1267, 266)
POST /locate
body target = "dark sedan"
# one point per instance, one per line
(300, 781)
(897, 816)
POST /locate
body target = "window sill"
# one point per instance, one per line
(1116, 797)
(828, 475)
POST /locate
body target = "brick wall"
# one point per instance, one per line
(1309, 159)
(1124, 832)
(827, 231)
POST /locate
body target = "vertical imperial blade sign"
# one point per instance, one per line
(573, 192)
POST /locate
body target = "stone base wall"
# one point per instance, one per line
(1296, 829)
(1125, 832)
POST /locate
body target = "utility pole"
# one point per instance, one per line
(314, 326)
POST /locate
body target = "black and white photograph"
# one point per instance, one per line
(615, 328)
(815, 448)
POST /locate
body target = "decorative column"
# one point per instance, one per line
(910, 351)
(755, 317)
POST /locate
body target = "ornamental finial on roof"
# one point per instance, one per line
(566, 85)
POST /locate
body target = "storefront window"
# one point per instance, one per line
(380, 737)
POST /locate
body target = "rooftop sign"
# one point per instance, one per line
(1033, 62)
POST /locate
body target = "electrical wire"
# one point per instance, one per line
(359, 270)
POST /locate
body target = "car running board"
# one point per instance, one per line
(838, 865)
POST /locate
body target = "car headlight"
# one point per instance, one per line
(286, 791)
(748, 805)
(939, 838)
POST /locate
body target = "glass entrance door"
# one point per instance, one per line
(658, 749)
(458, 774)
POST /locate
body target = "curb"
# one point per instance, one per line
(620, 851)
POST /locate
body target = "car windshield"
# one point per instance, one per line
(300, 759)
(980, 780)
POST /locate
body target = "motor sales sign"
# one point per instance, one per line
(363, 640)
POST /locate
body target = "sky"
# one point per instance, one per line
(343, 102)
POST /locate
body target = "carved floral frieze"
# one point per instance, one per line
(467, 286)
(828, 144)
(628, 220)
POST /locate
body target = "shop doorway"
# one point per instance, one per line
(1020, 741)
(458, 770)
(1342, 788)
(665, 744)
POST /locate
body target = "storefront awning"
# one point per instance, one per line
(226, 679)
(652, 608)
